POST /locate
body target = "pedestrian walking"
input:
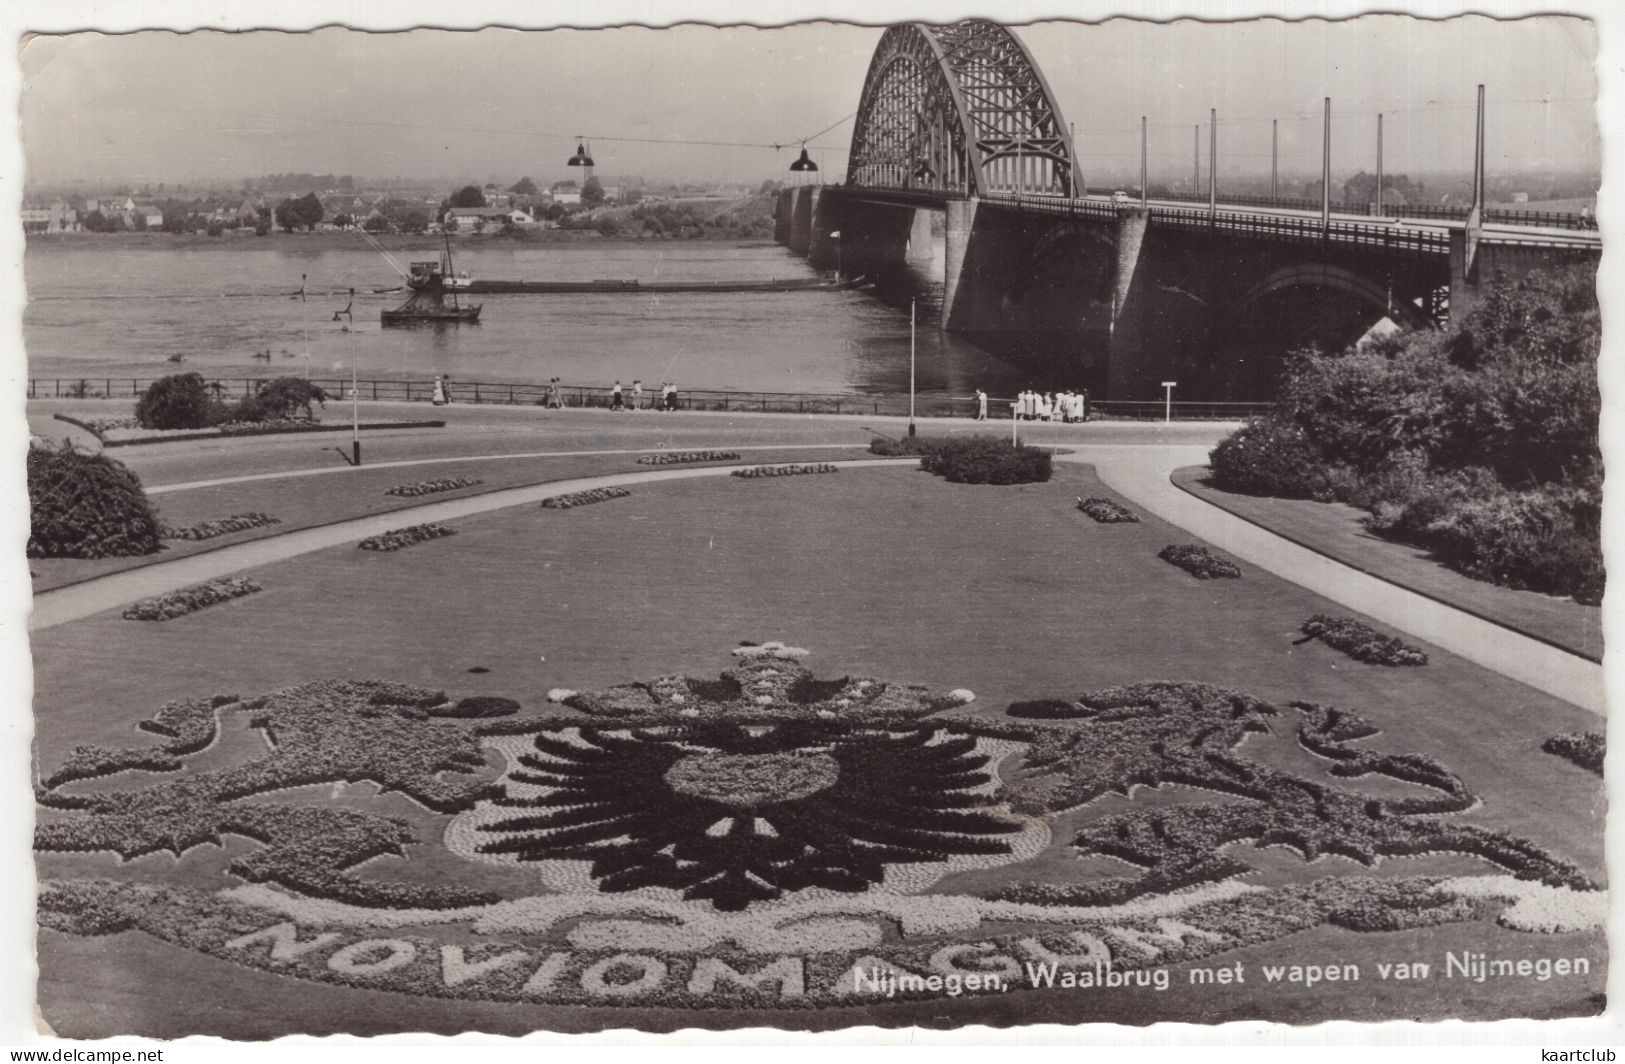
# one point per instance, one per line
(637, 396)
(555, 400)
(440, 391)
(669, 393)
(981, 405)
(615, 397)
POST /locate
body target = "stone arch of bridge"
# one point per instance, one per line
(1333, 278)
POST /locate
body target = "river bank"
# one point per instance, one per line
(243, 239)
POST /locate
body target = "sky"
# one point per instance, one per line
(500, 103)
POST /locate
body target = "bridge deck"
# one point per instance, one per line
(1395, 234)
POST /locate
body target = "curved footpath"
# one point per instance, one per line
(1138, 471)
(1143, 475)
(77, 601)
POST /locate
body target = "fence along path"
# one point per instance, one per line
(592, 396)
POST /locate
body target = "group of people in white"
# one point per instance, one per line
(668, 397)
(1065, 406)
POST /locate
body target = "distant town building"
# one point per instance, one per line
(57, 217)
(149, 214)
(468, 217)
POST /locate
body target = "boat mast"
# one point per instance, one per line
(446, 274)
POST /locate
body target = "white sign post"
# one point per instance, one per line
(1168, 400)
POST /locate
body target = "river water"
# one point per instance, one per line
(122, 311)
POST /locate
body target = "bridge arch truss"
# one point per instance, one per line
(962, 110)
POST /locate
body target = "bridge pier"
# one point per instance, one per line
(801, 217)
(957, 230)
(920, 241)
(1493, 261)
(822, 251)
(1126, 352)
(783, 208)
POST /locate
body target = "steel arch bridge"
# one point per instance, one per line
(959, 110)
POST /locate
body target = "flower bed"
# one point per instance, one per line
(222, 527)
(430, 487)
(1362, 642)
(1586, 749)
(751, 840)
(191, 599)
(1107, 512)
(273, 424)
(679, 457)
(397, 538)
(583, 498)
(100, 425)
(755, 472)
(403, 738)
(1199, 562)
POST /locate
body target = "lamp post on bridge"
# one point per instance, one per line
(1326, 170)
(1143, 193)
(1168, 401)
(1196, 157)
(1212, 162)
(1275, 147)
(1379, 164)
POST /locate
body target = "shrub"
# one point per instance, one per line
(86, 506)
(398, 538)
(179, 401)
(1586, 749)
(191, 599)
(290, 397)
(250, 409)
(1268, 456)
(1107, 512)
(1362, 642)
(971, 459)
(1480, 442)
(1544, 539)
(1199, 562)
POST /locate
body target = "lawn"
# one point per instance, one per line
(895, 575)
(305, 501)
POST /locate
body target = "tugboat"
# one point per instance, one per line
(432, 284)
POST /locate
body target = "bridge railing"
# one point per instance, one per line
(1267, 226)
(1059, 206)
(506, 393)
(1309, 230)
(1503, 215)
